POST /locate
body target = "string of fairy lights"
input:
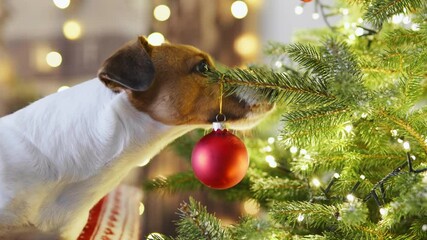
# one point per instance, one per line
(352, 28)
(377, 192)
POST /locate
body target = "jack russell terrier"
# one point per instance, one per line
(64, 152)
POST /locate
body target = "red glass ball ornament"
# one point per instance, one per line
(220, 159)
(306, 1)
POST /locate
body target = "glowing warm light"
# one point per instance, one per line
(53, 59)
(267, 149)
(293, 149)
(415, 27)
(271, 140)
(399, 140)
(251, 207)
(62, 4)
(362, 177)
(348, 128)
(406, 20)
(299, 10)
(396, 19)
(424, 228)
(271, 161)
(304, 167)
(278, 64)
(360, 20)
(300, 217)
(316, 182)
(359, 32)
(247, 45)
(162, 13)
(141, 208)
(303, 151)
(413, 157)
(336, 175)
(350, 197)
(394, 133)
(315, 16)
(144, 162)
(352, 37)
(344, 11)
(62, 88)
(347, 25)
(383, 211)
(239, 9)
(72, 29)
(406, 146)
(364, 115)
(156, 39)
(155, 236)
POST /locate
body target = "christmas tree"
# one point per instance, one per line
(349, 161)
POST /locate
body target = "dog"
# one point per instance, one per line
(64, 152)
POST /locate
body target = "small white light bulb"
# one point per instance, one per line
(350, 198)
(344, 11)
(299, 10)
(348, 128)
(406, 146)
(415, 27)
(359, 31)
(383, 211)
(396, 19)
(300, 217)
(316, 182)
(293, 149)
(315, 16)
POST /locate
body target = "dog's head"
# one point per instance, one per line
(168, 83)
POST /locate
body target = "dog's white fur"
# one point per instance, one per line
(94, 138)
(92, 144)
(62, 153)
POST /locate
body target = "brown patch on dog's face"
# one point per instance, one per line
(181, 94)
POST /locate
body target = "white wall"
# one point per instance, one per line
(279, 22)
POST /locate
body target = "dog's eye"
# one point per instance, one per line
(201, 67)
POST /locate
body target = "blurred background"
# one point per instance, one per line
(46, 46)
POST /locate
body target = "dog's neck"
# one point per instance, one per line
(90, 127)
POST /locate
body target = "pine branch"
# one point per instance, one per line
(407, 127)
(380, 10)
(284, 88)
(196, 223)
(183, 181)
(278, 188)
(313, 215)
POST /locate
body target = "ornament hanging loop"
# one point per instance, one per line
(221, 93)
(220, 117)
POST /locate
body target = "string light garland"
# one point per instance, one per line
(379, 199)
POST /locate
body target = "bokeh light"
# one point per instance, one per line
(72, 30)
(162, 13)
(54, 59)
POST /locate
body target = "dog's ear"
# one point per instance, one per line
(129, 68)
